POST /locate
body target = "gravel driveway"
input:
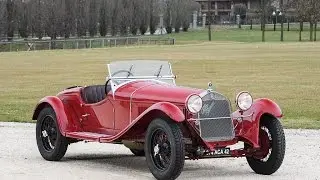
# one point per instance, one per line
(20, 159)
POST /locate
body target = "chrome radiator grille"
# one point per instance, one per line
(215, 123)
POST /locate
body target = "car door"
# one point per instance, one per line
(99, 117)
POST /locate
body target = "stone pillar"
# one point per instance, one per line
(204, 20)
(195, 17)
(249, 4)
(161, 23)
(216, 7)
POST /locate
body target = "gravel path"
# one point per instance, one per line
(20, 159)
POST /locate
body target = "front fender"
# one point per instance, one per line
(56, 104)
(171, 110)
(159, 110)
(248, 127)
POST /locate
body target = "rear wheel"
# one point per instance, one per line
(269, 158)
(164, 149)
(51, 144)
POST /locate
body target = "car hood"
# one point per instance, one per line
(161, 92)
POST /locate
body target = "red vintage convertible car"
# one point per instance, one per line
(141, 107)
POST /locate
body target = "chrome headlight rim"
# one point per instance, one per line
(239, 102)
(194, 103)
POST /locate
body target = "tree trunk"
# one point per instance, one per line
(300, 30)
(311, 31)
(263, 19)
(315, 31)
(10, 20)
(281, 19)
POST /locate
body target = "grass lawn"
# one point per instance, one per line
(239, 35)
(289, 73)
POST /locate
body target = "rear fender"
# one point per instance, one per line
(164, 110)
(249, 126)
(56, 104)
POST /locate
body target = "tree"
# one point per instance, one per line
(23, 19)
(188, 6)
(53, 18)
(3, 22)
(10, 19)
(144, 20)
(153, 17)
(93, 18)
(125, 11)
(37, 19)
(307, 10)
(69, 18)
(103, 19)
(168, 16)
(81, 24)
(115, 16)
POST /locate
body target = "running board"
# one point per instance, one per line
(88, 136)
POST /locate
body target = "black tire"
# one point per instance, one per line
(167, 160)
(51, 144)
(137, 152)
(278, 145)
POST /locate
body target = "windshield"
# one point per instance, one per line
(123, 71)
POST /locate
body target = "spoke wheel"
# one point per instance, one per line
(48, 133)
(161, 151)
(51, 144)
(269, 157)
(164, 149)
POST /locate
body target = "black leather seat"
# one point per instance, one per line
(94, 94)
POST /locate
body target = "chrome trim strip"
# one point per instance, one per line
(243, 116)
(144, 77)
(200, 119)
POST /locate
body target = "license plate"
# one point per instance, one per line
(222, 151)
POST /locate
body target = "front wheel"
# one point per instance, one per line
(269, 158)
(51, 144)
(164, 149)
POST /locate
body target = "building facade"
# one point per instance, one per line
(222, 10)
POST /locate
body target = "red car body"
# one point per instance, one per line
(141, 107)
(115, 119)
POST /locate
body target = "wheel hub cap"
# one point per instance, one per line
(156, 149)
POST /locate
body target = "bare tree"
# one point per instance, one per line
(3, 21)
(144, 23)
(93, 16)
(23, 18)
(125, 11)
(11, 12)
(168, 15)
(134, 13)
(188, 6)
(81, 23)
(69, 18)
(103, 18)
(153, 15)
(115, 16)
(37, 19)
(307, 10)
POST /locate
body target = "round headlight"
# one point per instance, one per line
(194, 103)
(244, 101)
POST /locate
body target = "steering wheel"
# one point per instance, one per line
(105, 87)
(122, 71)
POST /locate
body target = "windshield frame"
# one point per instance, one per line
(155, 78)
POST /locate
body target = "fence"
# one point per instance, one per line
(83, 43)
